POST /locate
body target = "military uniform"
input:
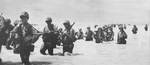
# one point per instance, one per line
(2, 20)
(24, 33)
(80, 34)
(105, 31)
(8, 28)
(99, 36)
(110, 34)
(68, 38)
(122, 36)
(89, 35)
(50, 38)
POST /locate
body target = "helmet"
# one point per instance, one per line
(24, 14)
(48, 19)
(67, 22)
(88, 27)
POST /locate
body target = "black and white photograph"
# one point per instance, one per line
(74, 32)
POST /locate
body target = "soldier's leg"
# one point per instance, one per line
(51, 46)
(26, 57)
(43, 49)
(22, 57)
(24, 54)
(50, 50)
(64, 48)
(71, 46)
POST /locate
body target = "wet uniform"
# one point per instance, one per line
(50, 38)
(68, 39)
(99, 36)
(122, 36)
(80, 35)
(89, 35)
(23, 34)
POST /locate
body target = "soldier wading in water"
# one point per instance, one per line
(68, 38)
(122, 36)
(89, 34)
(24, 33)
(50, 37)
(134, 29)
(99, 35)
(146, 27)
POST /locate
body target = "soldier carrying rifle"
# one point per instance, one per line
(68, 37)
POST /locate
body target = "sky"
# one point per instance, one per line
(83, 12)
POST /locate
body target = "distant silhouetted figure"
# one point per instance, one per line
(146, 27)
(80, 34)
(134, 29)
(99, 35)
(89, 34)
(122, 36)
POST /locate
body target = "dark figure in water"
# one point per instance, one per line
(89, 34)
(122, 36)
(99, 35)
(110, 34)
(146, 27)
(50, 37)
(68, 38)
(135, 29)
(25, 33)
(80, 34)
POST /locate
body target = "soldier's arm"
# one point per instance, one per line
(15, 29)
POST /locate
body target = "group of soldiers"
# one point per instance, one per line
(22, 35)
(104, 33)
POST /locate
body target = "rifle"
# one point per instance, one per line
(72, 25)
(69, 30)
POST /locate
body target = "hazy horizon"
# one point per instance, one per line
(83, 12)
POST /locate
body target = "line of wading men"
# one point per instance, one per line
(23, 35)
(101, 34)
